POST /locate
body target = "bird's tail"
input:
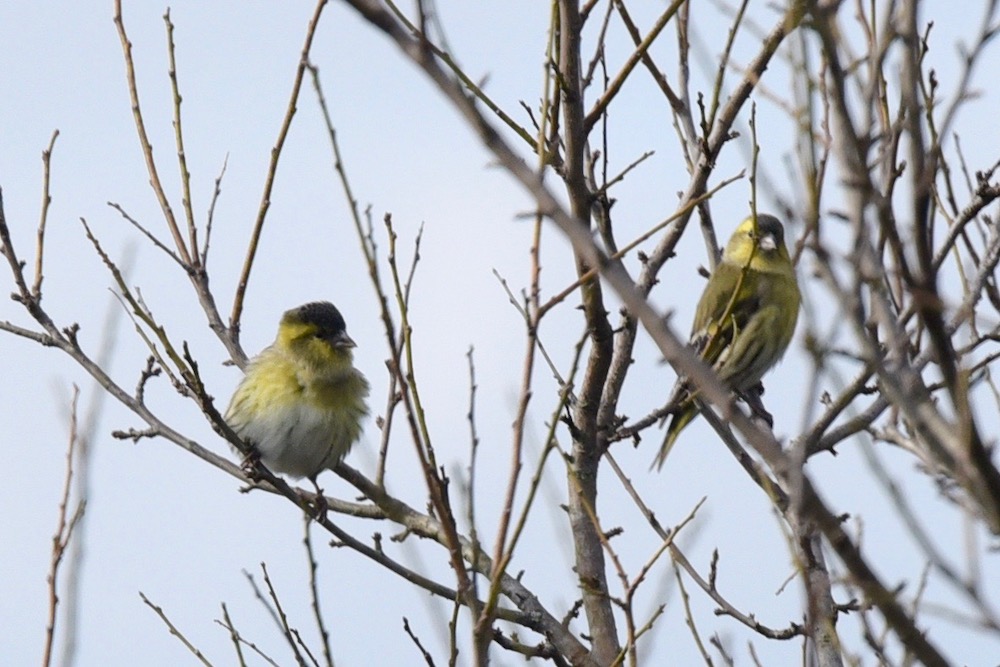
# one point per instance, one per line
(680, 419)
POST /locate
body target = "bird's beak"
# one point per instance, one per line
(343, 340)
(767, 243)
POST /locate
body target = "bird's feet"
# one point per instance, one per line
(752, 398)
(250, 466)
(319, 505)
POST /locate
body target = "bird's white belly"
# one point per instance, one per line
(298, 439)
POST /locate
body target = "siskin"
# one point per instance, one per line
(301, 402)
(745, 318)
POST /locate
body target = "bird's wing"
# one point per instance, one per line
(722, 315)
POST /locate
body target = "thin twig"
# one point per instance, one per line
(64, 531)
(272, 171)
(314, 592)
(174, 631)
(36, 287)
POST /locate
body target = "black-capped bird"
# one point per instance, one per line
(746, 316)
(301, 402)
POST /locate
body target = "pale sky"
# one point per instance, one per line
(161, 522)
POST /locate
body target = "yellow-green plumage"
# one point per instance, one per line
(301, 402)
(745, 318)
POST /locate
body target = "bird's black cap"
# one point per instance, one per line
(768, 224)
(323, 314)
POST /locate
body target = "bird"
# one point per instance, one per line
(300, 405)
(745, 317)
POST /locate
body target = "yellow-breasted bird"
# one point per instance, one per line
(301, 402)
(745, 318)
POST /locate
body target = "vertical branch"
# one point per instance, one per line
(502, 550)
(64, 533)
(435, 480)
(179, 139)
(324, 634)
(587, 445)
(36, 287)
(501, 553)
(83, 466)
(717, 136)
(147, 147)
(369, 248)
(272, 170)
(187, 251)
(922, 169)
(473, 461)
(821, 610)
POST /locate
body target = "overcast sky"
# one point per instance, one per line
(164, 523)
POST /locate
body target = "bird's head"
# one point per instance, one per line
(760, 244)
(316, 331)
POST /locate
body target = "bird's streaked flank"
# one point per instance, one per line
(745, 319)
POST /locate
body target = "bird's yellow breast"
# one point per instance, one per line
(302, 417)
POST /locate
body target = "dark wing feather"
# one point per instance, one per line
(720, 317)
